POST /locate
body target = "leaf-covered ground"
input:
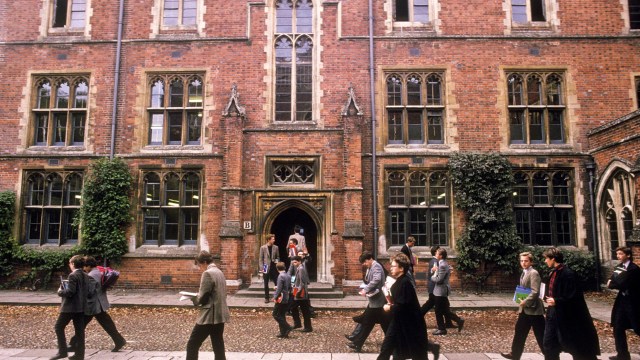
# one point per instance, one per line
(153, 328)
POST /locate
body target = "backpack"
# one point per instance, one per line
(109, 276)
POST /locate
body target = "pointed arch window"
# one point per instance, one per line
(171, 208)
(415, 108)
(418, 206)
(617, 207)
(293, 48)
(60, 110)
(175, 109)
(536, 108)
(52, 200)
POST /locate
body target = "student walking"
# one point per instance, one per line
(626, 309)
(281, 299)
(441, 290)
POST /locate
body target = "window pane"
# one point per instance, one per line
(176, 93)
(36, 190)
(634, 14)
(156, 129)
(171, 226)
(418, 224)
(394, 88)
(556, 127)
(537, 10)
(192, 190)
(70, 232)
(415, 127)
(78, 9)
(396, 188)
(151, 226)
(534, 91)
(519, 11)
(171, 8)
(175, 128)
(434, 90)
(189, 11)
(195, 93)
(59, 129)
(81, 95)
(612, 223)
(418, 189)
(627, 223)
(304, 16)
(421, 11)
(435, 128)
(540, 189)
(521, 189)
(402, 10)
(395, 127)
(536, 127)
(561, 189)
(283, 79)
(413, 90)
(60, 13)
(73, 195)
(62, 96)
(284, 15)
(190, 226)
(523, 226)
(77, 128)
(44, 96)
(515, 90)
(54, 196)
(304, 82)
(52, 225)
(554, 90)
(157, 94)
(439, 227)
(438, 189)
(194, 120)
(563, 227)
(40, 128)
(34, 226)
(172, 191)
(542, 224)
(151, 190)
(517, 126)
(397, 225)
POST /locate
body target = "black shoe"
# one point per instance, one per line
(349, 337)
(119, 345)
(435, 349)
(266, 301)
(620, 357)
(354, 347)
(307, 330)
(440, 332)
(71, 348)
(298, 326)
(59, 356)
(450, 326)
(460, 325)
(283, 336)
(507, 355)
(76, 357)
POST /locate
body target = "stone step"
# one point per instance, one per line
(316, 290)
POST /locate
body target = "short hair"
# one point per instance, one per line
(296, 228)
(204, 257)
(77, 261)
(366, 255)
(90, 261)
(269, 236)
(411, 239)
(442, 252)
(434, 249)
(527, 254)
(402, 260)
(280, 266)
(295, 258)
(626, 250)
(294, 240)
(554, 253)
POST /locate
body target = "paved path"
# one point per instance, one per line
(119, 297)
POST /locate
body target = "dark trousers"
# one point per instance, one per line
(269, 276)
(523, 326)
(443, 309)
(107, 324)
(370, 318)
(623, 316)
(305, 307)
(78, 325)
(200, 333)
(552, 346)
(389, 346)
(431, 302)
(279, 314)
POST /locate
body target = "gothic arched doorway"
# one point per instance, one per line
(282, 228)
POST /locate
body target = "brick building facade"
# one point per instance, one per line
(243, 118)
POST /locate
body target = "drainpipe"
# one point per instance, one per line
(591, 167)
(374, 181)
(116, 81)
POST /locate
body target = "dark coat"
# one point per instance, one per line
(628, 282)
(407, 251)
(576, 332)
(407, 326)
(74, 297)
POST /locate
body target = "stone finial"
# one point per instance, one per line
(351, 107)
(234, 108)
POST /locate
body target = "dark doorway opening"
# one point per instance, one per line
(282, 228)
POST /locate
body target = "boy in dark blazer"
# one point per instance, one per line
(626, 309)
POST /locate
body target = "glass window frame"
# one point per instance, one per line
(160, 211)
(535, 12)
(180, 12)
(412, 16)
(75, 11)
